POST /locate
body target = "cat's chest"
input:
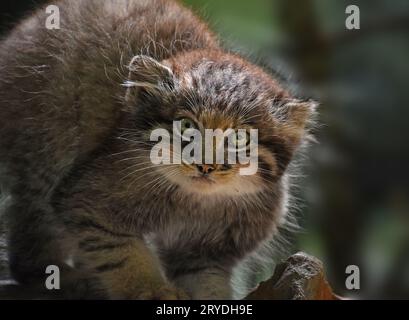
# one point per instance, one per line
(192, 222)
(210, 226)
(205, 223)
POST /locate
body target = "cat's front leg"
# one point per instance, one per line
(206, 284)
(122, 264)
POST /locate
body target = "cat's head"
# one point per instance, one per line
(213, 90)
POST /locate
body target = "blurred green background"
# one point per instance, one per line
(354, 199)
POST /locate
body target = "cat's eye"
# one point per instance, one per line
(241, 139)
(185, 124)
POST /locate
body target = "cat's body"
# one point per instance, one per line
(75, 158)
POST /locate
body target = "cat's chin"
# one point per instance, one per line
(203, 185)
(211, 186)
(200, 185)
(203, 181)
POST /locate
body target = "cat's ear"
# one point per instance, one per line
(148, 74)
(296, 118)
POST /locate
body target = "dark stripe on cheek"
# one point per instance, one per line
(265, 170)
(280, 152)
(283, 156)
(91, 247)
(111, 266)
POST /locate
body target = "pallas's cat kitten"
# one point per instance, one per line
(77, 108)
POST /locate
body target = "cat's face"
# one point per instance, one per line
(209, 90)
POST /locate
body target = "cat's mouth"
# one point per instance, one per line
(213, 183)
(203, 179)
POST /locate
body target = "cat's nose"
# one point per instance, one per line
(205, 168)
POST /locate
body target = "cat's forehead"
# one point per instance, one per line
(224, 77)
(220, 71)
(228, 84)
(224, 107)
(225, 89)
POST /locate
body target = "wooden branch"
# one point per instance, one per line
(300, 277)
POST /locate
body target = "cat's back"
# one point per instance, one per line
(60, 88)
(79, 66)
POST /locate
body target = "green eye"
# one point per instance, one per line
(241, 139)
(186, 124)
